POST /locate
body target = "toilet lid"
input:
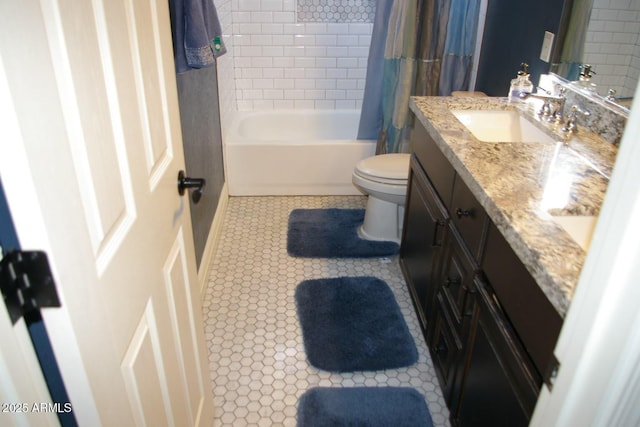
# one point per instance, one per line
(386, 167)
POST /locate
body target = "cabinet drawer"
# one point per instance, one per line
(469, 217)
(527, 307)
(435, 164)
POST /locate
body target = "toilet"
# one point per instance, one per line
(384, 179)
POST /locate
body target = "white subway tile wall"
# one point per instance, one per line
(225, 67)
(613, 45)
(281, 63)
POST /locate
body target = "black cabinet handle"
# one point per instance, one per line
(449, 281)
(460, 213)
(437, 242)
(469, 303)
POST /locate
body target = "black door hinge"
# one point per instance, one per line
(551, 372)
(26, 283)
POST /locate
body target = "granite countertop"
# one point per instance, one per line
(521, 184)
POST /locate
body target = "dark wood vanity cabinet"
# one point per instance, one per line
(490, 355)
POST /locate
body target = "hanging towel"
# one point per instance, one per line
(197, 35)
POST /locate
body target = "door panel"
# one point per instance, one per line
(179, 289)
(88, 96)
(100, 163)
(142, 370)
(143, 23)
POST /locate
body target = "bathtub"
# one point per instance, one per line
(294, 152)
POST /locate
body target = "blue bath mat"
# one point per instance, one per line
(363, 406)
(353, 324)
(332, 233)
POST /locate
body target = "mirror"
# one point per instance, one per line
(605, 35)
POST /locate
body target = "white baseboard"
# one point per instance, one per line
(212, 240)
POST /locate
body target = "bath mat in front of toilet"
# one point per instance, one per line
(353, 324)
(332, 233)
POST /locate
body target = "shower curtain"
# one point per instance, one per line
(415, 33)
(459, 46)
(370, 123)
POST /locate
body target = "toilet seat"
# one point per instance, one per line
(392, 169)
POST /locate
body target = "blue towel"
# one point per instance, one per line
(197, 35)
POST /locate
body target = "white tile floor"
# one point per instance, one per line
(256, 356)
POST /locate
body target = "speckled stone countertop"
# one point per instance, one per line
(521, 184)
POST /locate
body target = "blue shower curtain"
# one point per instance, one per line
(459, 46)
(398, 76)
(370, 123)
(415, 34)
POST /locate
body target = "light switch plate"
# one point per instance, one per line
(547, 44)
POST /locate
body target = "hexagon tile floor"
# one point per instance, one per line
(257, 360)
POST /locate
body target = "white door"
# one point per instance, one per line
(90, 151)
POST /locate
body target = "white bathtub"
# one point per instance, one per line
(294, 152)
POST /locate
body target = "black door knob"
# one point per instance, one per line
(197, 184)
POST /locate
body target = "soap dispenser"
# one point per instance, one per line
(521, 84)
(584, 80)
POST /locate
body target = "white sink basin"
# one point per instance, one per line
(580, 228)
(500, 126)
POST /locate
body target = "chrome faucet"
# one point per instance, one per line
(546, 111)
(571, 126)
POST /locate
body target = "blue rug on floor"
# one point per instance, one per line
(353, 324)
(332, 233)
(363, 406)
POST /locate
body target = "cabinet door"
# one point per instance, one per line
(456, 280)
(454, 311)
(439, 170)
(446, 348)
(497, 388)
(424, 236)
(529, 310)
